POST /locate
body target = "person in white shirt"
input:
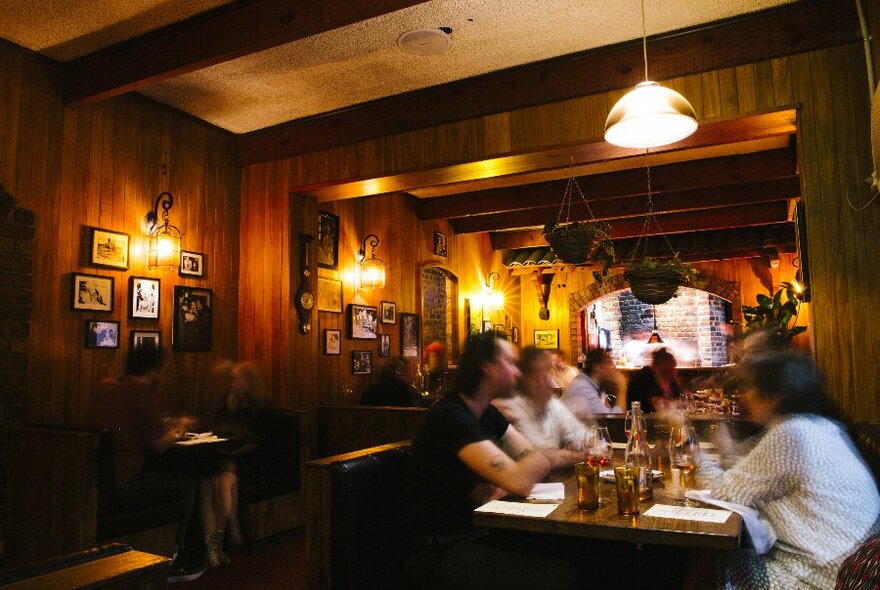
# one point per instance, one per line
(563, 373)
(539, 416)
(585, 395)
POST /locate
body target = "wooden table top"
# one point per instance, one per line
(606, 523)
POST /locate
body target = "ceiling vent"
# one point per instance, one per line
(425, 41)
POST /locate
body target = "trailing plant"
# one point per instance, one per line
(774, 316)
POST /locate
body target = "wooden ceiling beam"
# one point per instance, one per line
(787, 30)
(729, 170)
(223, 34)
(687, 221)
(671, 202)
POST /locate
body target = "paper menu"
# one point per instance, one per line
(518, 508)
(687, 513)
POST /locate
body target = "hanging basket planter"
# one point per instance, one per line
(576, 242)
(655, 284)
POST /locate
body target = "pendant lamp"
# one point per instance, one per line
(655, 335)
(650, 115)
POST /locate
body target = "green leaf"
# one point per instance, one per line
(797, 330)
(764, 301)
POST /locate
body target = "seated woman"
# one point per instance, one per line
(803, 476)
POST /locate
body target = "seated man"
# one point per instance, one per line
(126, 407)
(656, 386)
(539, 416)
(391, 390)
(563, 373)
(585, 396)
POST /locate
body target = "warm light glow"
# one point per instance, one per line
(655, 338)
(650, 116)
(796, 287)
(373, 274)
(164, 251)
(494, 300)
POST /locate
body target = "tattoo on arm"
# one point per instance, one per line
(523, 453)
(497, 463)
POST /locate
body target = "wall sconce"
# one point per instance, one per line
(490, 298)
(164, 250)
(372, 268)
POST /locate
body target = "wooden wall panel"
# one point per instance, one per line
(103, 166)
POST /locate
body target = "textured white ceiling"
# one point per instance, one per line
(357, 63)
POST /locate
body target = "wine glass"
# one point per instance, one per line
(597, 449)
(683, 450)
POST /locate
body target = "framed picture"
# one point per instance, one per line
(548, 339)
(389, 312)
(499, 328)
(409, 335)
(329, 295)
(487, 325)
(514, 335)
(439, 244)
(193, 322)
(328, 240)
(143, 298)
(139, 337)
(332, 342)
(361, 362)
(362, 322)
(109, 248)
(102, 334)
(192, 264)
(384, 344)
(91, 293)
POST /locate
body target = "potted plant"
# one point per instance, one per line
(655, 282)
(577, 242)
(774, 316)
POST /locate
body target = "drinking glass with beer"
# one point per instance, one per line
(683, 450)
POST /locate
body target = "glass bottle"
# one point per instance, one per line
(637, 452)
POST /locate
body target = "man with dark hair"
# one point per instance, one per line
(656, 386)
(585, 396)
(126, 407)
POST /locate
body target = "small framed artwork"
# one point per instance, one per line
(362, 322)
(409, 335)
(328, 240)
(329, 295)
(514, 335)
(143, 298)
(487, 325)
(193, 323)
(384, 345)
(361, 362)
(332, 342)
(192, 264)
(102, 334)
(547, 339)
(91, 293)
(439, 244)
(499, 328)
(389, 312)
(141, 337)
(109, 248)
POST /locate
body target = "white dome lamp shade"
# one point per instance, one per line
(650, 115)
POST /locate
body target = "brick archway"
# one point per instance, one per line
(577, 301)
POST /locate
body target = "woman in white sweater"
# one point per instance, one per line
(804, 477)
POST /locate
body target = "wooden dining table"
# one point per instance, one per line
(606, 523)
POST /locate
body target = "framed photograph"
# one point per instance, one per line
(409, 335)
(328, 240)
(193, 322)
(362, 322)
(389, 312)
(91, 293)
(487, 325)
(329, 295)
(102, 334)
(361, 362)
(514, 335)
(499, 328)
(332, 342)
(384, 344)
(548, 339)
(109, 248)
(139, 337)
(143, 298)
(192, 264)
(439, 244)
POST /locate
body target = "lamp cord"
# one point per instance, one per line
(644, 41)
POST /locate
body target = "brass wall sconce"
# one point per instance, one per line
(490, 298)
(372, 268)
(164, 250)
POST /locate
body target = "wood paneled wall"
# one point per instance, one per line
(103, 166)
(829, 88)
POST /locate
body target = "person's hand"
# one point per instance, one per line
(486, 492)
(720, 434)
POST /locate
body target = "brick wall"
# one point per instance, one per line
(435, 306)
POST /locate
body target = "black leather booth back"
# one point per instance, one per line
(867, 439)
(367, 520)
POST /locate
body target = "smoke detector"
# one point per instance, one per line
(425, 41)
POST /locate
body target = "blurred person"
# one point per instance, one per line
(435, 369)
(456, 465)
(803, 476)
(391, 390)
(126, 406)
(656, 386)
(539, 415)
(585, 395)
(563, 373)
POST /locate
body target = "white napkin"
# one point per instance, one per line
(547, 492)
(760, 531)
